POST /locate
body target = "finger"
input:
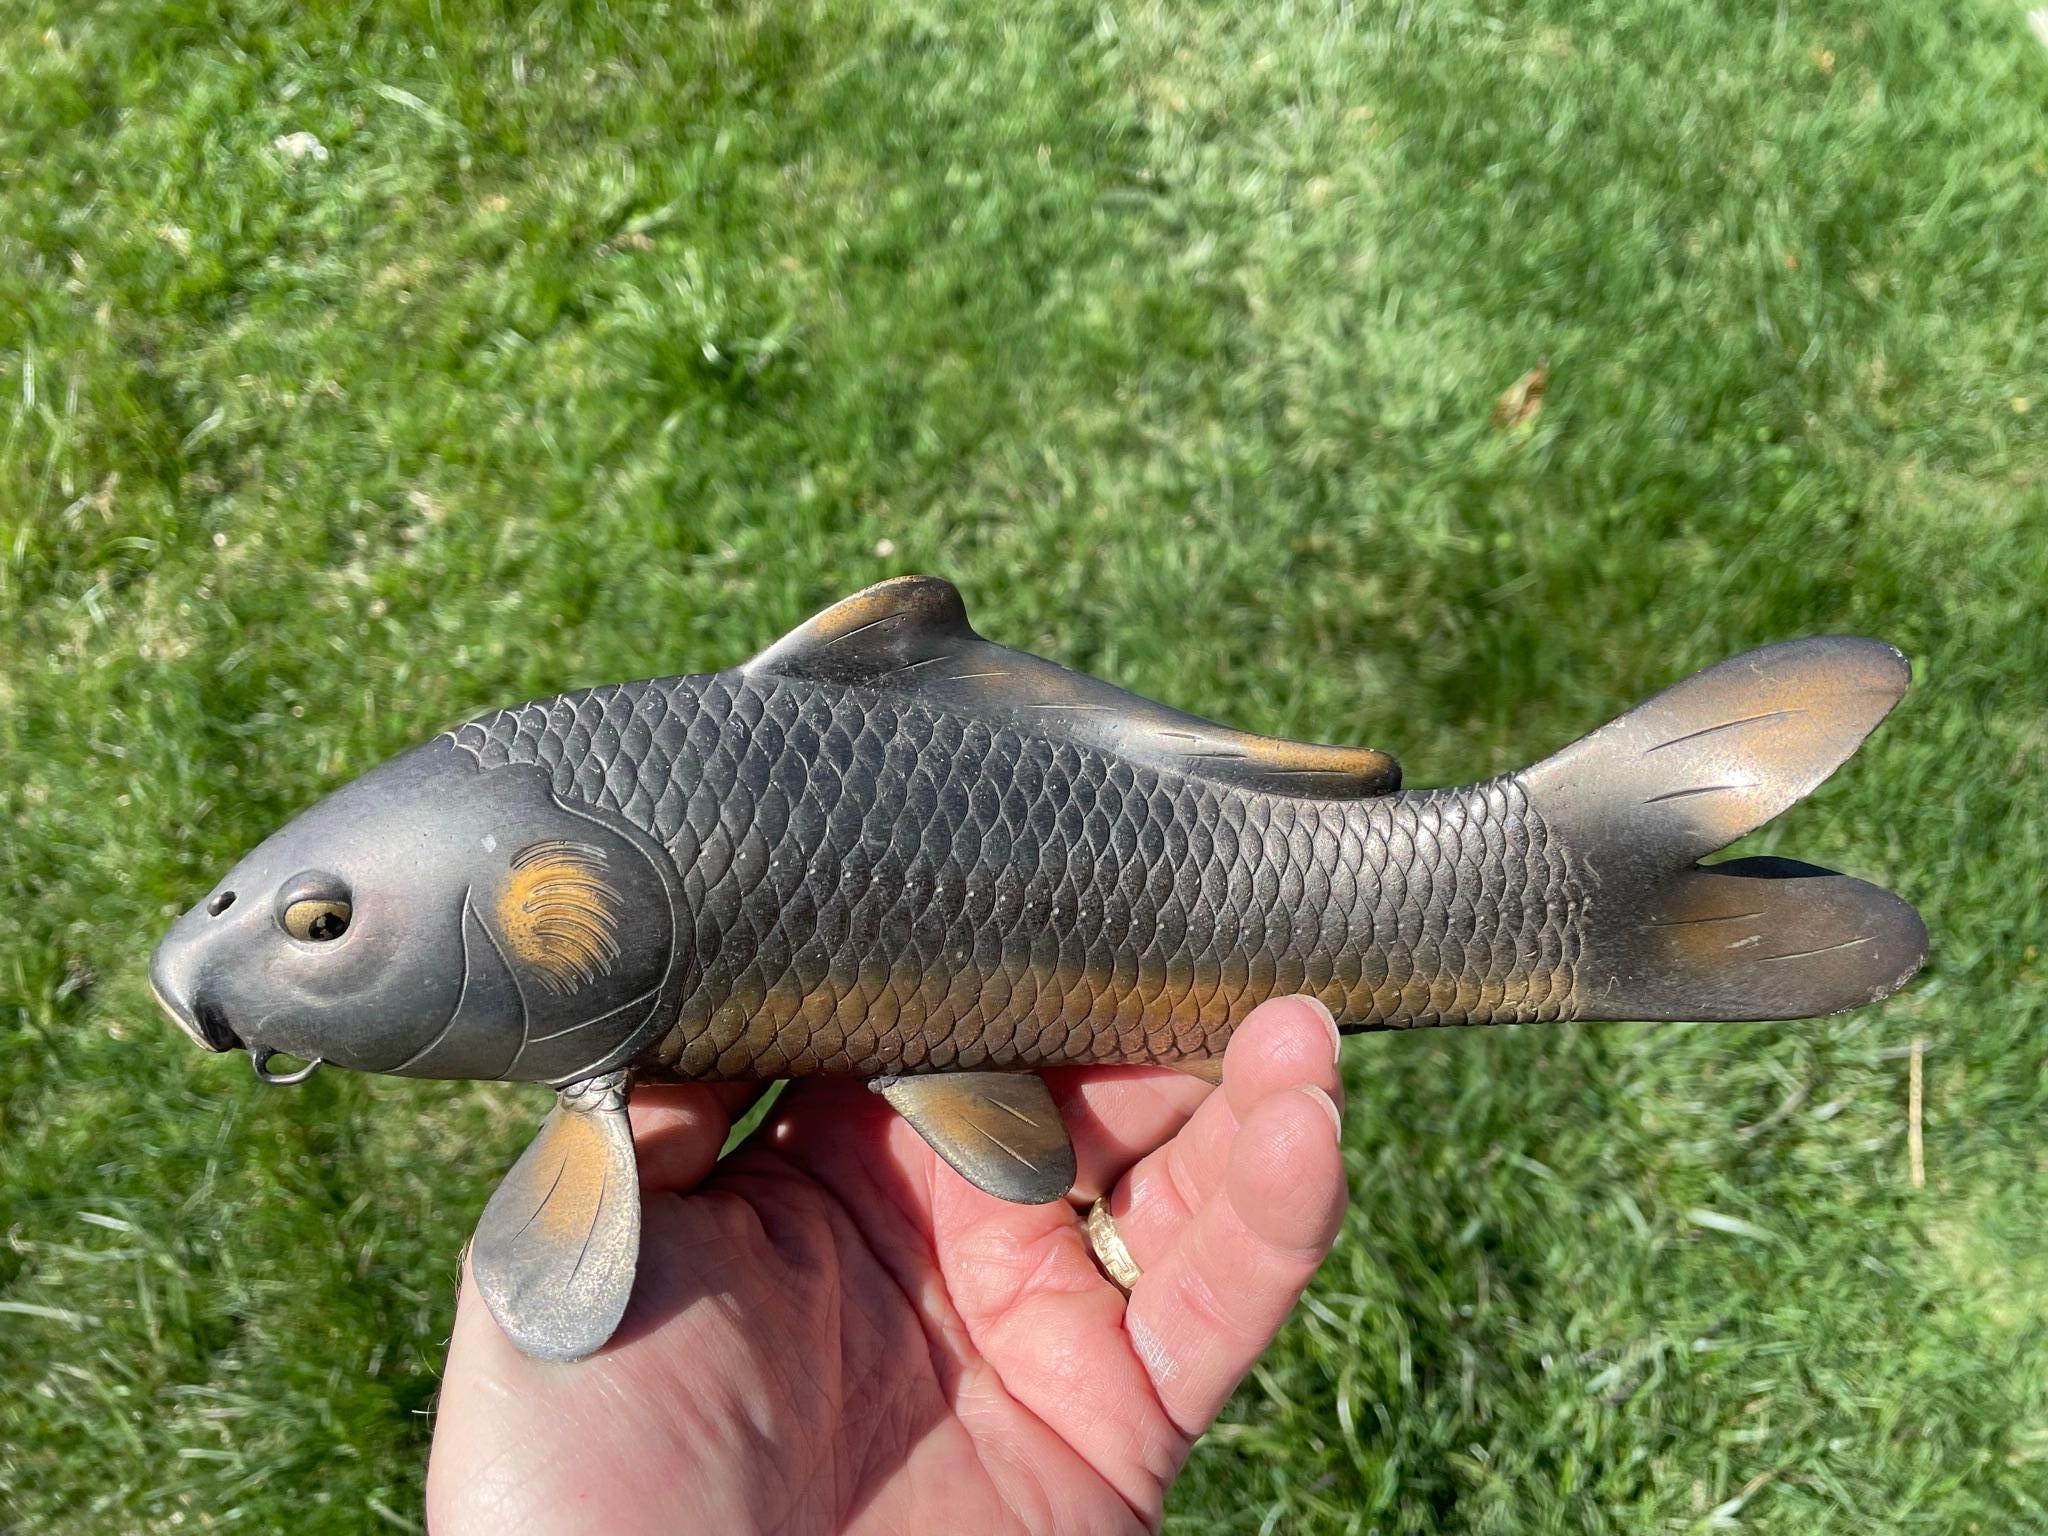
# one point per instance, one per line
(490, 1396)
(1115, 1115)
(1205, 1310)
(847, 1137)
(1281, 1044)
(678, 1129)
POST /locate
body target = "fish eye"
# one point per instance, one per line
(317, 921)
(316, 908)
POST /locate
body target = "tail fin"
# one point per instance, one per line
(1641, 799)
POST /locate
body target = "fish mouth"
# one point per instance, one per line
(197, 1017)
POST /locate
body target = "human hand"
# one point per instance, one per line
(832, 1331)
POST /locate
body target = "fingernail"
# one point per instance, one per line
(1329, 1022)
(1329, 1104)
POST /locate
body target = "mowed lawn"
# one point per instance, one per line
(362, 366)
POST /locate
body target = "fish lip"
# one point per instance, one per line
(201, 1020)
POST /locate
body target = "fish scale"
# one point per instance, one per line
(875, 885)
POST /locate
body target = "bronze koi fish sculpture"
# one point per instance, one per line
(888, 849)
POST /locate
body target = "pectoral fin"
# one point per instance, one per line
(555, 1251)
(999, 1130)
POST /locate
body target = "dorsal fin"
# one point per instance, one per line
(912, 633)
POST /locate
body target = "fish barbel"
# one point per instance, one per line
(889, 849)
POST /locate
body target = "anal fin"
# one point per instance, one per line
(555, 1251)
(999, 1130)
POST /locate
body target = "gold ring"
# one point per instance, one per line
(1108, 1244)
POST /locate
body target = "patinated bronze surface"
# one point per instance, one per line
(889, 849)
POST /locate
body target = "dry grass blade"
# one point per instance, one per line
(1521, 400)
(1915, 1151)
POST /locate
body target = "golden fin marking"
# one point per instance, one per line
(1668, 782)
(884, 636)
(963, 1115)
(555, 1252)
(1833, 943)
(560, 914)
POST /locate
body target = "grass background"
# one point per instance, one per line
(589, 341)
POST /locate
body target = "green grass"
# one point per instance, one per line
(608, 341)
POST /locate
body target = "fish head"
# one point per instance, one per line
(435, 918)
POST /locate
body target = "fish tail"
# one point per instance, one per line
(1638, 802)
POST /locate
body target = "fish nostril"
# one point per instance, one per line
(220, 903)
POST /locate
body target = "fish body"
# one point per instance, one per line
(871, 883)
(889, 849)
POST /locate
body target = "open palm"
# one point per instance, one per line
(831, 1330)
